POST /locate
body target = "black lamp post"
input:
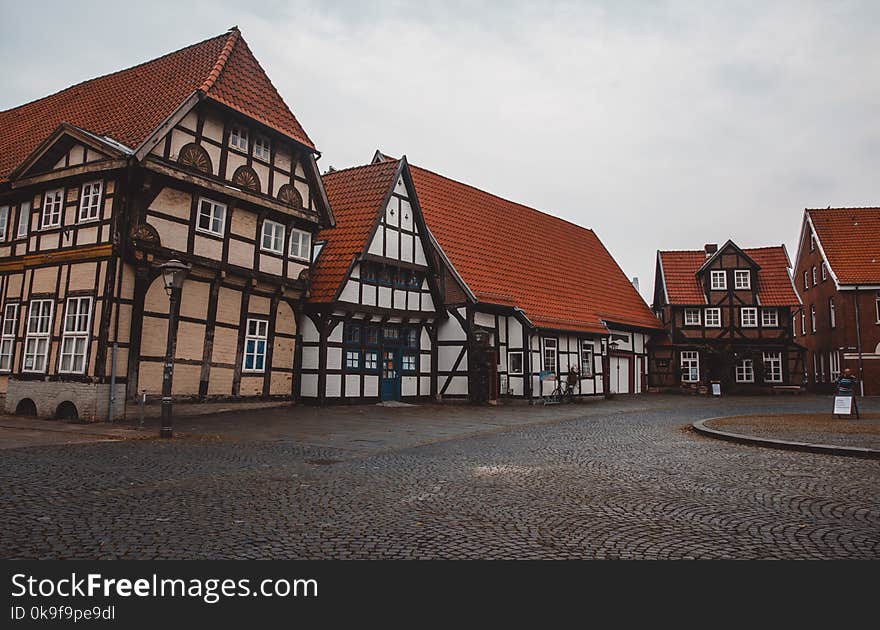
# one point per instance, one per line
(173, 273)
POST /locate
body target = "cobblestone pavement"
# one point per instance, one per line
(628, 480)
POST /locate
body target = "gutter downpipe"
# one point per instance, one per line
(859, 343)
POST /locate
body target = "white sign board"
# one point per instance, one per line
(716, 389)
(843, 405)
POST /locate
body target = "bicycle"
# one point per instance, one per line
(564, 390)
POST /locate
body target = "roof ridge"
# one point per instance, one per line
(359, 166)
(110, 74)
(843, 208)
(222, 58)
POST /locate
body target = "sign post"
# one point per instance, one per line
(716, 388)
(844, 406)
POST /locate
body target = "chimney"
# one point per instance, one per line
(636, 282)
(710, 248)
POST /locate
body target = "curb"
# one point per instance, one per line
(807, 447)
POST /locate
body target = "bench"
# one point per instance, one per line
(787, 389)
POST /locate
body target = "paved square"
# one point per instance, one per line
(609, 479)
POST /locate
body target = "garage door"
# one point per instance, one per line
(619, 375)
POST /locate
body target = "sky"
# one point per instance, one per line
(660, 125)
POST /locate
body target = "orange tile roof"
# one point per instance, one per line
(130, 104)
(774, 282)
(850, 238)
(558, 273)
(356, 195)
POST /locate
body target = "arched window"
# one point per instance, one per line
(290, 195)
(246, 177)
(193, 156)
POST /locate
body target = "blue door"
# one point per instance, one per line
(390, 386)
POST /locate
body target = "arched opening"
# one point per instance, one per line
(246, 177)
(26, 407)
(66, 411)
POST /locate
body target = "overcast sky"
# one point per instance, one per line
(661, 125)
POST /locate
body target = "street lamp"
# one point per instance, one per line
(612, 347)
(173, 274)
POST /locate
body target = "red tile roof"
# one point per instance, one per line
(850, 238)
(130, 104)
(557, 272)
(356, 195)
(774, 282)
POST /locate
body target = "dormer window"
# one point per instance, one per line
(719, 280)
(238, 138)
(742, 279)
(261, 148)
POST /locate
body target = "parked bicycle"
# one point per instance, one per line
(564, 390)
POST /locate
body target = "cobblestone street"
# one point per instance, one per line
(627, 479)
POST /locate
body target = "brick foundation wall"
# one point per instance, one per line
(92, 400)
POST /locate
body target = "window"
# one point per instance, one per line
(834, 365)
(238, 138)
(24, 219)
(794, 325)
(814, 275)
(806, 281)
(773, 367)
(515, 363)
(352, 359)
(4, 220)
(690, 366)
(803, 322)
(52, 202)
(90, 201)
(212, 217)
(812, 318)
(745, 371)
(391, 334)
(719, 280)
(261, 147)
(371, 360)
(411, 337)
(300, 245)
(691, 317)
(713, 317)
(7, 341)
(877, 306)
(832, 314)
(812, 242)
(549, 354)
(769, 318)
(586, 359)
(39, 328)
(742, 279)
(75, 337)
(372, 335)
(748, 317)
(824, 271)
(255, 345)
(273, 237)
(408, 362)
(352, 335)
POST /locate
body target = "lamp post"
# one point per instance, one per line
(612, 347)
(173, 273)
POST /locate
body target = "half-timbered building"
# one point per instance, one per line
(837, 275)
(727, 314)
(193, 156)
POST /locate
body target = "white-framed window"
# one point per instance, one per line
(745, 371)
(75, 337)
(824, 271)
(238, 138)
(408, 362)
(748, 317)
(794, 325)
(273, 237)
(371, 360)
(39, 330)
(352, 359)
(4, 221)
(300, 244)
(814, 275)
(515, 363)
(212, 217)
(586, 359)
(834, 365)
(877, 306)
(7, 340)
(255, 345)
(90, 201)
(773, 367)
(769, 317)
(803, 322)
(713, 317)
(742, 279)
(812, 318)
(812, 242)
(719, 280)
(806, 281)
(690, 366)
(24, 219)
(832, 313)
(53, 202)
(549, 354)
(822, 366)
(261, 147)
(692, 317)
(815, 368)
